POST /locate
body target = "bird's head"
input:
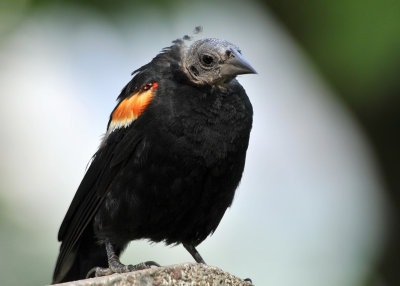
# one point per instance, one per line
(214, 61)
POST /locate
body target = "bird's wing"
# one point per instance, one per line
(120, 144)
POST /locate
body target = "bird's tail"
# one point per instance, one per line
(76, 264)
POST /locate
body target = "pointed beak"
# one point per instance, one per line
(236, 65)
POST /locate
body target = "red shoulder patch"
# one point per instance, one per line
(131, 107)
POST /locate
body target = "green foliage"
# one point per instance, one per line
(354, 43)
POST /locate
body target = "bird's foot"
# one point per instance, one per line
(117, 267)
(98, 271)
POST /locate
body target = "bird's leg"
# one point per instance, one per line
(115, 266)
(196, 255)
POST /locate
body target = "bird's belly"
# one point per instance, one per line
(171, 201)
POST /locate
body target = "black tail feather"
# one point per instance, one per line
(88, 254)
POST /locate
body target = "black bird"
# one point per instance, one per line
(169, 164)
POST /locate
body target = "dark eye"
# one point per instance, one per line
(207, 60)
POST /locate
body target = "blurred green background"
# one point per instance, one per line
(319, 200)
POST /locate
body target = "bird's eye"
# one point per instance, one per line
(207, 60)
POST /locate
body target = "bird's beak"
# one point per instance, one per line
(236, 65)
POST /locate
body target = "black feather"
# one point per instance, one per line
(169, 176)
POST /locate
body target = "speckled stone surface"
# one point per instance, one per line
(181, 274)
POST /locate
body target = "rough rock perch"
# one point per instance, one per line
(181, 274)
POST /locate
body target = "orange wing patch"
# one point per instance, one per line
(131, 107)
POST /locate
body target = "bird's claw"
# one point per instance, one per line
(140, 266)
(147, 264)
(98, 272)
(120, 268)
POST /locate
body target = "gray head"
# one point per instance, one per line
(214, 61)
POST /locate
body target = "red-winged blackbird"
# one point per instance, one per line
(169, 163)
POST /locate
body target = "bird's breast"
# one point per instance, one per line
(211, 133)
